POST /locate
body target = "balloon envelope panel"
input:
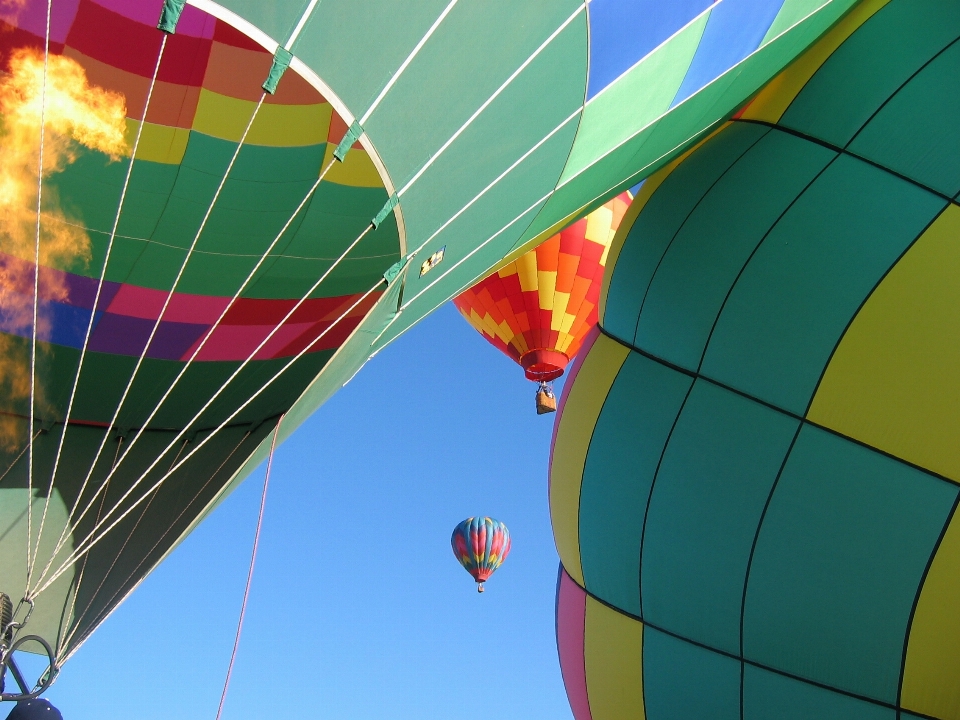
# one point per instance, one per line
(753, 468)
(160, 298)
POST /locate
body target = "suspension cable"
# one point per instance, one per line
(76, 624)
(407, 186)
(92, 539)
(253, 560)
(96, 297)
(153, 332)
(36, 304)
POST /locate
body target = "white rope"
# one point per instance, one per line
(96, 297)
(209, 333)
(410, 57)
(253, 561)
(153, 332)
(31, 555)
(506, 83)
(170, 526)
(61, 640)
(423, 169)
(84, 547)
(478, 248)
(496, 181)
(73, 524)
(223, 387)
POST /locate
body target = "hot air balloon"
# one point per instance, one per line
(538, 309)
(481, 544)
(756, 474)
(218, 207)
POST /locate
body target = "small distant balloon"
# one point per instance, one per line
(481, 544)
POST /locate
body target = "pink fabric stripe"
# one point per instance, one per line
(193, 22)
(146, 303)
(585, 348)
(33, 18)
(571, 628)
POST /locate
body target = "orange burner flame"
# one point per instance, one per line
(74, 115)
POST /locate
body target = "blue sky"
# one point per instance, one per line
(358, 608)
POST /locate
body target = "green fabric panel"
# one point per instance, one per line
(496, 140)
(635, 99)
(710, 249)
(767, 695)
(791, 12)
(661, 218)
(93, 185)
(294, 276)
(513, 199)
(797, 294)
(863, 72)
(656, 145)
(154, 266)
(625, 450)
(838, 563)
(682, 681)
(344, 364)
(915, 133)
(476, 48)
(713, 484)
(276, 19)
(356, 48)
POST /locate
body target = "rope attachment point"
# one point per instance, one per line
(387, 209)
(170, 15)
(281, 61)
(350, 137)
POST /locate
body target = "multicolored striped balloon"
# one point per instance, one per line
(481, 544)
(538, 309)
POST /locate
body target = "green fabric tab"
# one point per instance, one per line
(387, 209)
(281, 61)
(170, 14)
(394, 270)
(352, 135)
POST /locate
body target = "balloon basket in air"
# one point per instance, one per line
(546, 399)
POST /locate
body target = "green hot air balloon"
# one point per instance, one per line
(241, 202)
(756, 472)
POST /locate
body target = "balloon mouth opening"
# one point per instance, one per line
(543, 365)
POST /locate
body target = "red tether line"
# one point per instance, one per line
(253, 560)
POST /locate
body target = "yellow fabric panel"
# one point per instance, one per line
(567, 323)
(546, 288)
(559, 316)
(520, 343)
(476, 321)
(489, 325)
(505, 332)
(893, 382)
(613, 659)
(508, 270)
(527, 271)
(931, 677)
(158, 143)
(356, 170)
(276, 125)
(598, 226)
(581, 409)
(772, 102)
